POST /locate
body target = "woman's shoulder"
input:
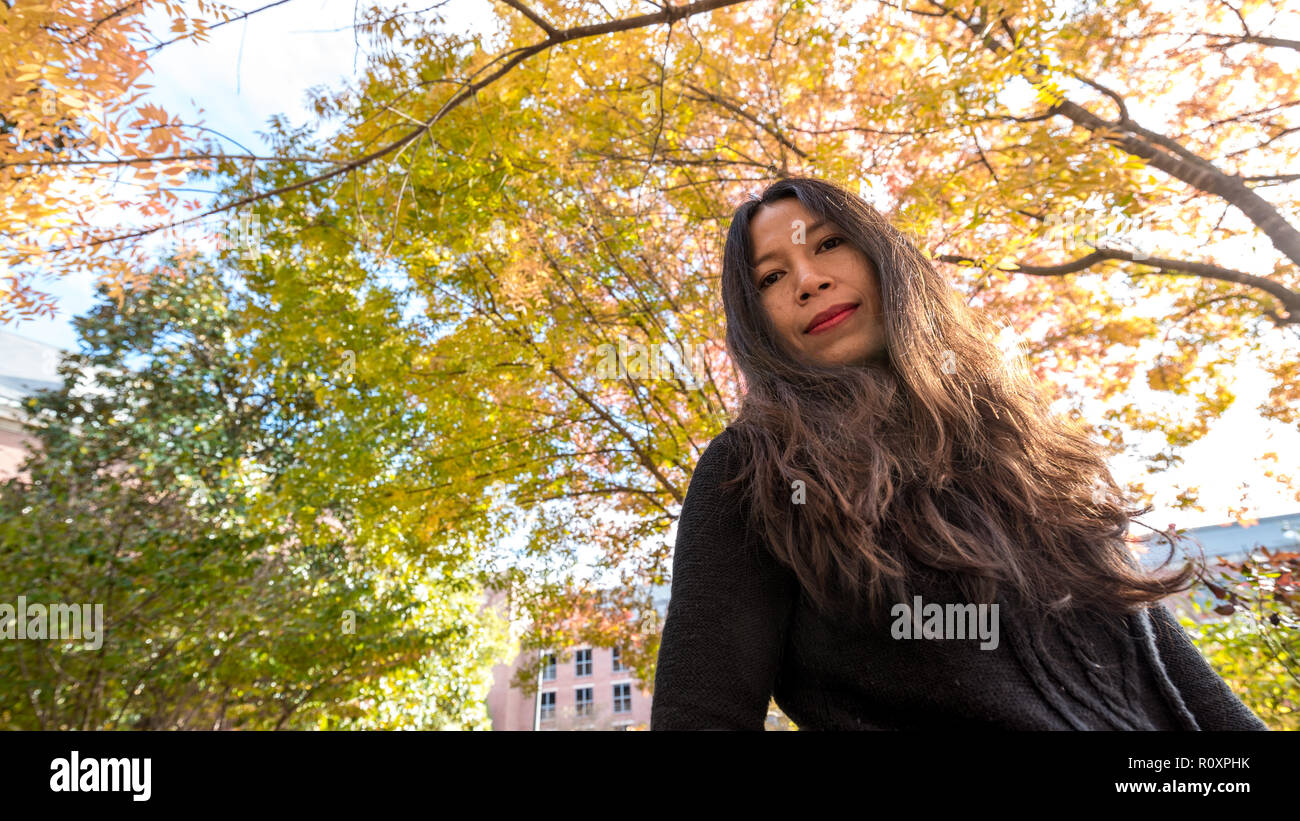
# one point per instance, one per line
(721, 455)
(728, 439)
(718, 464)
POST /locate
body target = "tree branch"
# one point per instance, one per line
(176, 158)
(1289, 299)
(670, 14)
(234, 19)
(1163, 153)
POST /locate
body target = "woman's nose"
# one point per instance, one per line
(810, 282)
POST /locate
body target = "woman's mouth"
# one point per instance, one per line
(829, 319)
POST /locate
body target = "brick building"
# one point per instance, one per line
(580, 688)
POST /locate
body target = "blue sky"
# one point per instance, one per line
(251, 70)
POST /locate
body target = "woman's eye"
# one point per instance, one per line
(764, 282)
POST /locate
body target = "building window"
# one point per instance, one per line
(548, 668)
(622, 698)
(618, 661)
(548, 705)
(584, 701)
(582, 661)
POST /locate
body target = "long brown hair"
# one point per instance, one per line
(941, 454)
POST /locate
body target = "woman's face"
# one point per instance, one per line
(807, 274)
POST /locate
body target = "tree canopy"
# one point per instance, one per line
(163, 488)
(452, 268)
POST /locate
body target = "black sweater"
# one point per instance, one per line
(739, 631)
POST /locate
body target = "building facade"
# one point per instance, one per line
(579, 688)
(584, 688)
(26, 366)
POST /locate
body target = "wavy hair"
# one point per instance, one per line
(940, 454)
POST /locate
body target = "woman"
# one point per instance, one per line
(896, 532)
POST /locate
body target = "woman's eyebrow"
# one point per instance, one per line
(810, 229)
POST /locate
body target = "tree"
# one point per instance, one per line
(158, 492)
(71, 74)
(562, 194)
(576, 205)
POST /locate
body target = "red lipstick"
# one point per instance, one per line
(831, 317)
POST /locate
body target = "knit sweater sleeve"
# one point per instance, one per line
(1202, 690)
(727, 613)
